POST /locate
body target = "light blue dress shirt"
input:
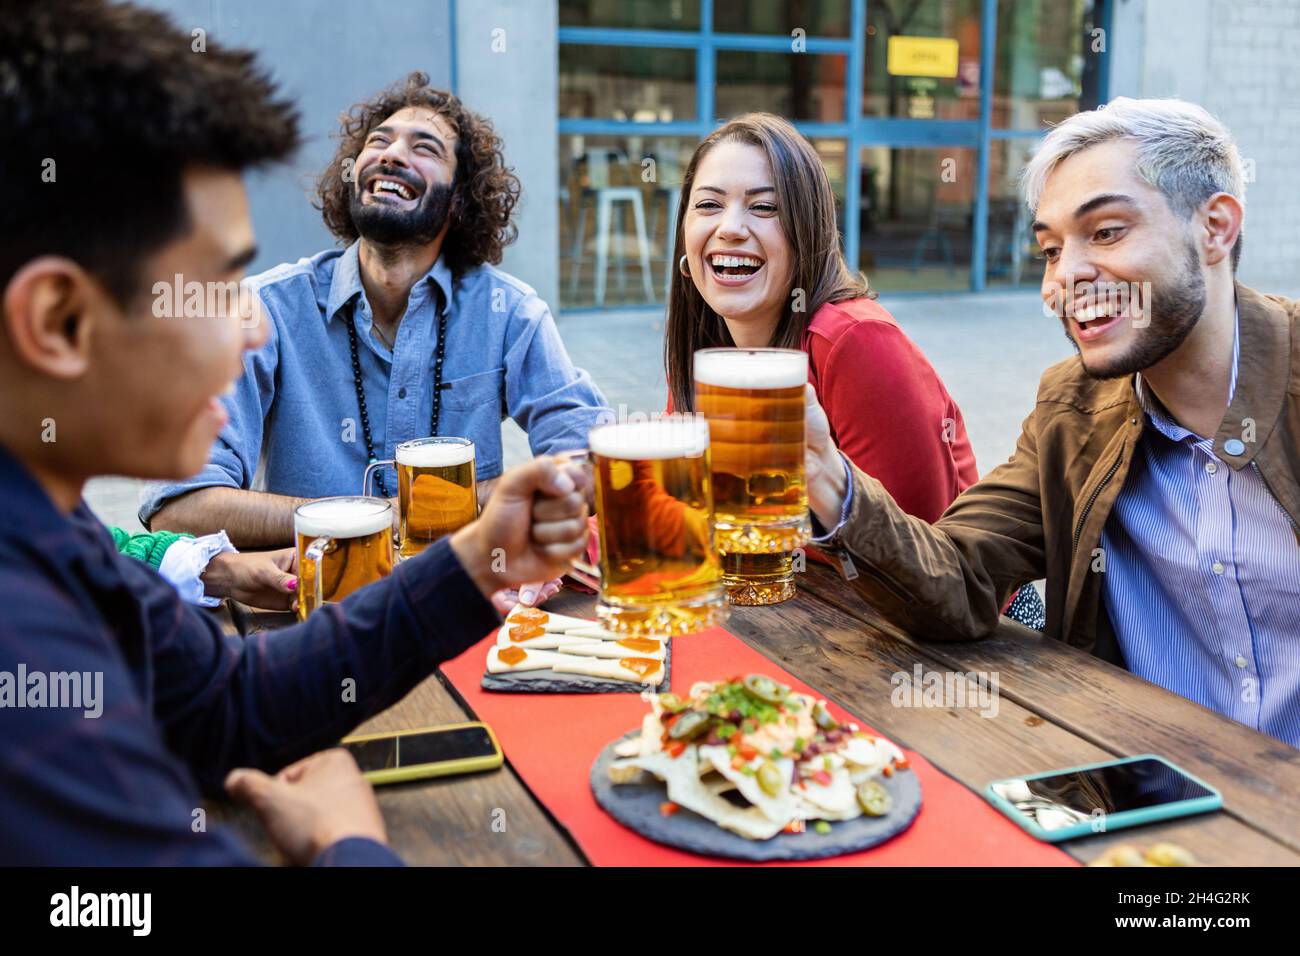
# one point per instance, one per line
(295, 425)
(1202, 577)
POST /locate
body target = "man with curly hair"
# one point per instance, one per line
(408, 331)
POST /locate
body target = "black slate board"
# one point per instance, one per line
(636, 806)
(549, 682)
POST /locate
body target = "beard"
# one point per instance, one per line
(386, 225)
(1176, 306)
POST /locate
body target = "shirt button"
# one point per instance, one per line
(401, 393)
(1234, 446)
(1216, 567)
(1211, 467)
(1241, 661)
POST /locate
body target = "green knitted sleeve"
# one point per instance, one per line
(148, 546)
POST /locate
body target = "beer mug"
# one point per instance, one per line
(754, 402)
(343, 544)
(659, 572)
(436, 494)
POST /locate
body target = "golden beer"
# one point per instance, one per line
(343, 545)
(659, 570)
(435, 490)
(754, 402)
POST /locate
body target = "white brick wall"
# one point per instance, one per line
(1240, 59)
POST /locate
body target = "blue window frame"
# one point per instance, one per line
(856, 130)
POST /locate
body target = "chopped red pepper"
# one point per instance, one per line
(794, 826)
(887, 770)
(676, 748)
(823, 777)
(746, 752)
(903, 764)
(668, 808)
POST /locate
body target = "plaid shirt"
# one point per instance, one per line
(181, 703)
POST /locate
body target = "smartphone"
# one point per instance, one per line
(1100, 797)
(426, 752)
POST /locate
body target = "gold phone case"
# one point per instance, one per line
(446, 768)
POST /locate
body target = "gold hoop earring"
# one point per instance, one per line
(683, 268)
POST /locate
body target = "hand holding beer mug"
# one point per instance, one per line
(754, 402)
(435, 489)
(343, 544)
(530, 530)
(659, 572)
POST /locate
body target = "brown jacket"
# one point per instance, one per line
(1041, 514)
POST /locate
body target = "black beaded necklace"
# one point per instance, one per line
(439, 350)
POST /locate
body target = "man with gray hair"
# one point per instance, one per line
(1154, 484)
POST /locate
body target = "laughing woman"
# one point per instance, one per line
(759, 265)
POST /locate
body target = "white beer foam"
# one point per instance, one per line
(751, 368)
(668, 437)
(342, 518)
(436, 455)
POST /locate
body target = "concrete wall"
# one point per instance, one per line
(507, 69)
(327, 54)
(1237, 58)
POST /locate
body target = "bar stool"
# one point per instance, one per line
(605, 198)
(609, 200)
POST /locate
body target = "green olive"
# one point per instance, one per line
(770, 780)
(822, 717)
(689, 725)
(764, 689)
(874, 799)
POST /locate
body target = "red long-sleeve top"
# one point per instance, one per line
(888, 409)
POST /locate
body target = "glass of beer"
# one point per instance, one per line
(754, 402)
(436, 494)
(659, 570)
(343, 544)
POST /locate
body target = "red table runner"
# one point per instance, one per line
(552, 740)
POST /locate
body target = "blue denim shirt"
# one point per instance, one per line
(295, 412)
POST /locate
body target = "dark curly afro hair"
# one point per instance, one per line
(484, 192)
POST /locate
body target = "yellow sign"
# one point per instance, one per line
(922, 56)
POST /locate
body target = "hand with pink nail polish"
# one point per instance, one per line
(262, 579)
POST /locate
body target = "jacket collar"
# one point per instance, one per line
(345, 285)
(1263, 371)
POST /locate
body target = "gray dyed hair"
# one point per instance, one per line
(1183, 151)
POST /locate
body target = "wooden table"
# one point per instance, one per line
(1057, 707)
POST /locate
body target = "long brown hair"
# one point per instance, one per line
(806, 207)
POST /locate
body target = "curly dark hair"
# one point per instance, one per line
(484, 191)
(113, 100)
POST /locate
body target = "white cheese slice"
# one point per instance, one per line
(533, 661)
(544, 641)
(610, 649)
(555, 623)
(597, 632)
(608, 669)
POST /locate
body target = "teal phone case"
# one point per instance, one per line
(1113, 821)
